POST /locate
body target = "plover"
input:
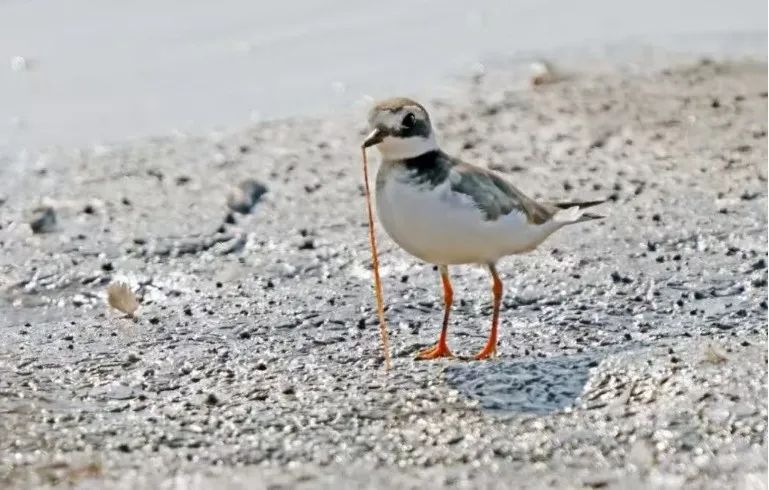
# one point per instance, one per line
(447, 212)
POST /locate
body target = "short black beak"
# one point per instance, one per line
(374, 137)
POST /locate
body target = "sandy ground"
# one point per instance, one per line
(633, 351)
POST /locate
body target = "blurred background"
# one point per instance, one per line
(82, 72)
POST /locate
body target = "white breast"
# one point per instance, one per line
(441, 226)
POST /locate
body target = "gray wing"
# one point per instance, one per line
(494, 196)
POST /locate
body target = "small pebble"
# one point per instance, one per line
(289, 390)
(617, 278)
(182, 179)
(308, 244)
(43, 220)
(245, 195)
(19, 64)
(542, 73)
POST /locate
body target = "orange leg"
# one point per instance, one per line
(441, 349)
(490, 348)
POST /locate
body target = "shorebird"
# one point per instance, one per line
(447, 212)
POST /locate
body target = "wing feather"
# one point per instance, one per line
(494, 196)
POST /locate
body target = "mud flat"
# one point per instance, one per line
(633, 351)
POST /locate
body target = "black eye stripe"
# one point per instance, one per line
(409, 121)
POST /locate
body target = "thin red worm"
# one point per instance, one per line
(375, 265)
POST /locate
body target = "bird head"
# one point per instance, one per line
(400, 128)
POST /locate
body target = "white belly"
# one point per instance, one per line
(444, 227)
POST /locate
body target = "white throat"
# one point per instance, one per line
(393, 148)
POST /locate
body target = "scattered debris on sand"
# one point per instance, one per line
(43, 219)
(245, 195)
(122, 298)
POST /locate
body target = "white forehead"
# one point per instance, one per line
(394, 118)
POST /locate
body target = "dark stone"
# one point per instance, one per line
(308, 244)
(289, 390)
(619, 278)
(245, 195)
(43, 220)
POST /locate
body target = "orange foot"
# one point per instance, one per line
(441, 349)
(488, 351)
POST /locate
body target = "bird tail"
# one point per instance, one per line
(574, 212)
(589, 217)
(580, 204)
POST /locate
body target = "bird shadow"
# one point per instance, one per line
(535, 386)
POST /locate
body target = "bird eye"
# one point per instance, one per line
(409, 121)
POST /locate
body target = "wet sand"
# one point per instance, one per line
(632, 350)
